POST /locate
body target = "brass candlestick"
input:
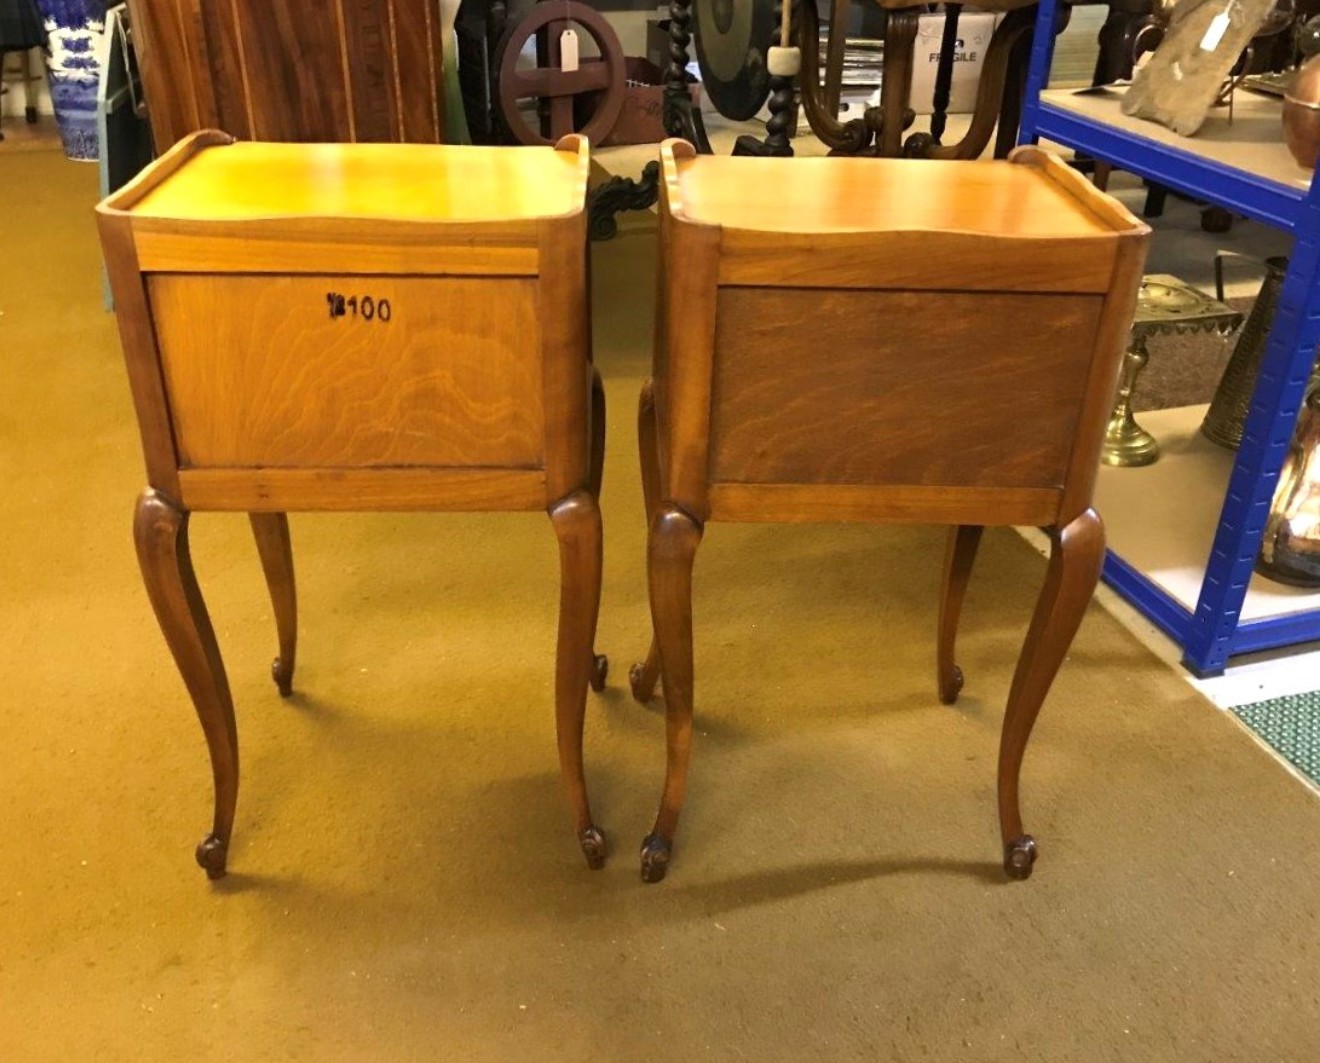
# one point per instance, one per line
(1165, 306)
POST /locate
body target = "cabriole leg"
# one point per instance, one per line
(160, 532)
(959, 557)
(670, 553)
(600, 665)
(577, 524)
(271, 530)
(1075, 560)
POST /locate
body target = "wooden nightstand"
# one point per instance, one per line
(358, 327)
(882, 340)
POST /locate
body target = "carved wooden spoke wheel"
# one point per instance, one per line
(603, 77)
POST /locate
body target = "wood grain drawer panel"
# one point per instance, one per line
(869, 387)
(260, 374)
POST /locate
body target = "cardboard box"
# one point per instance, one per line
(641, 121)
(974, 33)
(657, 42)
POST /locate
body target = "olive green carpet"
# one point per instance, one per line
(404, 882)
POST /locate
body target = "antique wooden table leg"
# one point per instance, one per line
(674, 540)
(681, 117)
(271, 530)
(896, 88)
(944, 73)
(642, 677)
(994, 91)
(577, 524)
(836, 46)
(1010, 107)
(784, 64)
(959, 557)
(821, 103)
(1074, 568)
(160, 532)
(600, 665)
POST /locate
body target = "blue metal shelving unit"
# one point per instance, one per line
(1213, 632)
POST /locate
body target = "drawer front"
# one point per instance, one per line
(951, 389)
(350, 371)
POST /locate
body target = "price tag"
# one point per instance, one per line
(568, 51)
(1214, 33)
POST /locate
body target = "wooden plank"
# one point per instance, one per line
(417, 51)
(915, 260)
(294, 69)
(221, 47)
(275, 372)
(360, 490)
(140, 354)
(369, 69)
(688, 320)
(1110, 344)
(166, 37)
(266, 251)
(564, 315)
(854, 387)
(803, 504)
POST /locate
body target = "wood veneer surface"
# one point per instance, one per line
(422, 182)
(857, 195)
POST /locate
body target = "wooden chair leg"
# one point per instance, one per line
(271, 530)
(670, 553)
(959, 557)
(576, 520)
(160, 532)
(1075, 561)
(600, 665)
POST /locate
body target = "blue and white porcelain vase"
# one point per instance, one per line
(74, 29)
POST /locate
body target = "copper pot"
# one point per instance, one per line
(1301, 114)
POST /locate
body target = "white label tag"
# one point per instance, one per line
(1214, 33)
(568, 51)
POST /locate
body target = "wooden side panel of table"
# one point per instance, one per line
(417, 371)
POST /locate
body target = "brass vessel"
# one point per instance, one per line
(1228, 409)
(1301, 114)
(1290, 550)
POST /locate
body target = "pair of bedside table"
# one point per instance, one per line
(356, 327)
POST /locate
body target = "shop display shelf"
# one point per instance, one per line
(1242, 166)
(1160, 523)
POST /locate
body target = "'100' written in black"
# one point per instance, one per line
(366, 307)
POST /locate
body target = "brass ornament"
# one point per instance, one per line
(1165, 306)
(1301, 114)
(1290, 550)
(1227, 414)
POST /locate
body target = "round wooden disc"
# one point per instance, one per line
(605, 75)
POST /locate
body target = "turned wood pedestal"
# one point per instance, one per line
(358, 327)
(882, 340)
